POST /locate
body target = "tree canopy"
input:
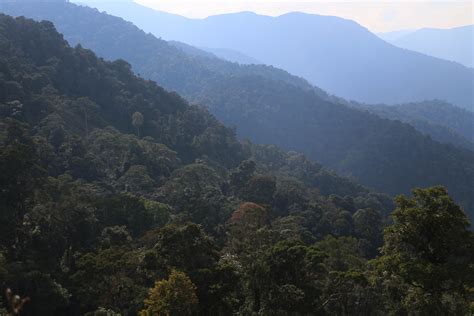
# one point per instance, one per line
(187, 219)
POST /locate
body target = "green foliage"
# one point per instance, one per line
(350, 293)
(368, 228)
(442, 121)
(20, 173)
(241, 175)
(124, 209)
(426, 263)
(186, 248)
(174, 296)
(108, 278)
(115, 236)
(92, 215)
(196, 193)
(342, 254)
(293, 278)
(259, 189)
(118, 153)
(266, 105)
(137, 121)
(160, 212)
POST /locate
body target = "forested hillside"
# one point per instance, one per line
(94, 158)
(119, 198)
(116, 193)
(270, 106)
(442, 121)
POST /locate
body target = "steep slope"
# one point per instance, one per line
(430, 115)
(442, 121)
(64, 93)
(110, 183)
(337, 55)
(269, 106)
(232, 55)
(222, 53)
(454, 44)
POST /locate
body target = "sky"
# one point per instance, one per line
(376, 15)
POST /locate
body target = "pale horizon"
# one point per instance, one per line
(380, 16)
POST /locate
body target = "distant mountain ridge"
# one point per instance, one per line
(335, 54)
(456, 44)
(394, 35)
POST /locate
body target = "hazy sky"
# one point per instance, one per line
(378, 16)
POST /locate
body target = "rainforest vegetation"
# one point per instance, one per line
(270, 106)
(120, 198)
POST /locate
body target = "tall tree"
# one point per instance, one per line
(427, 256)
(137, 121)
(248, 240)
(174, 296)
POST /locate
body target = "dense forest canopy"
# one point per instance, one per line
(444, 122)
(270, 106)
(120, 198)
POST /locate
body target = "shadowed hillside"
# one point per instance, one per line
(118, 197)
(269, 106)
